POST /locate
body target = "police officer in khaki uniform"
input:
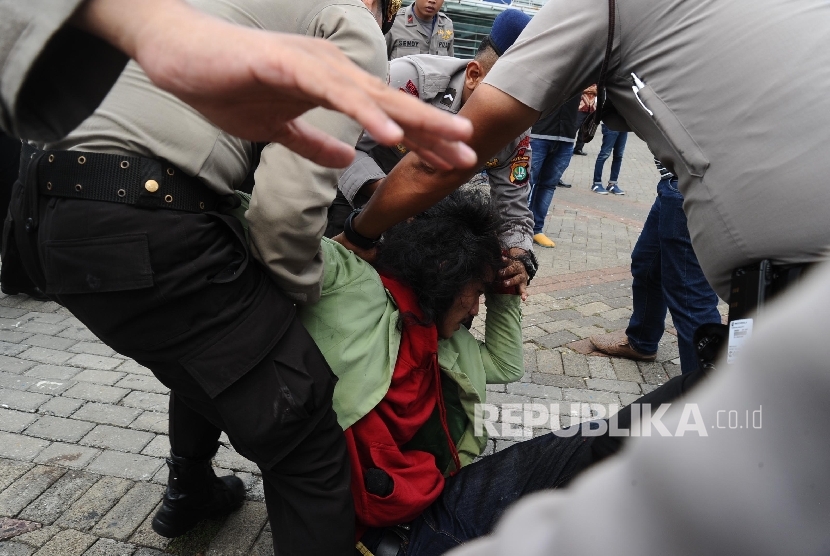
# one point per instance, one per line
(125, 222)
(421, 28)
(447, 83)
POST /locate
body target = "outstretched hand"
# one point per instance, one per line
(254, 84)
(514, 274)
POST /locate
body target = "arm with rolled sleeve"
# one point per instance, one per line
(52, 75)
(511, 200)
(289, 205)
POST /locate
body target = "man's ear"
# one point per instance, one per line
(474, 74)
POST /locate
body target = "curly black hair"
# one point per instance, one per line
(442, 249)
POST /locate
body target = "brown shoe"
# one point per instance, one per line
(616, 344)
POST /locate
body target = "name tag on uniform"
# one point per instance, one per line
(739, 332)
(407, 44)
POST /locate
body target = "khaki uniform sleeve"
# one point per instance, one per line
(556, 57)
(290, 202)
(52, 76)
(509, 187)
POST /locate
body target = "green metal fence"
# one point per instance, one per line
(472, 20)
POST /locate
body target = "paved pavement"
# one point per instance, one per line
(83, 429)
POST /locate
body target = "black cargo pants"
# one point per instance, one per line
(177, 292)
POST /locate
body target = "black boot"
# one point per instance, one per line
(194, 493)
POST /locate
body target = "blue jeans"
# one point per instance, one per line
(611, 141)
(667, 276)
(549, 162)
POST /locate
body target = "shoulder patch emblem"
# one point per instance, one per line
(448, 97)
(519, 172)
(411, 89)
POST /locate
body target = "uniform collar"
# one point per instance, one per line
(409, 16)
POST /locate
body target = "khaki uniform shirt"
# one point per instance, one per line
(407, 36)
(439, 80)
(292, 194)
(74, 72)
(735, 93)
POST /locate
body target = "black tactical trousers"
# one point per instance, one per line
(176, 291)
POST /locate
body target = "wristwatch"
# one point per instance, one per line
(531, 264)
(355, 238)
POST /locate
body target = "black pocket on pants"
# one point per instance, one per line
(98, 264)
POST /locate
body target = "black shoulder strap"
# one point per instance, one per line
(603, 72)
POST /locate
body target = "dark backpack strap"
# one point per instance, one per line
(592, 122)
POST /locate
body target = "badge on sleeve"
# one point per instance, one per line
(519, 171)
(492, 163)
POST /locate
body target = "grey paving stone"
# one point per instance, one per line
(128, 466)
(95, 503)
(67, 455)
(14, 365)
(158, 447)
(99, 377)
(107, 414)
(13, 548)
(240, 531)
(59, 428)
(10, 349)
(116, 438)
(15, 337)
(22, 401)
(535, 391)
(93, 348)
(15, 421)
(628, 399)
(530, 358)
(53, 387)
(672, 369)
(96, 392)
(561, 381)
(59, 497)
(145, 536)
(613, 385)
(590, 396)
(143, 383)
(648, 388)
(148, 401)
(42, 317)
(51, 342)
(125, 517)
(60, 407)
(11, 313)
(144, 551)
(575, 364)
(45, 355)
(11, 470)
(98, 362)
(109, 547)
(253, 486)
(495, 387)
(67, 543)
(27, 488)
(264, 545)
(151, 421)
(556, 339)
(653, 373)
(52, 372)
(502, 443)
(229, 459)
(130, 366)
(18, 447)
(625, 369)
(549, 361)
(600, 367)
(39, 537)
(80, 333)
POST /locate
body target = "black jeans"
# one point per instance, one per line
(473, 500)
(177, 292)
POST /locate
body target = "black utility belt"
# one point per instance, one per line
(754, 285)
(128, 180)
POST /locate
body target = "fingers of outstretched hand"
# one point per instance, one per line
(315, 145)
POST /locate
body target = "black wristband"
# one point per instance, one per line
(355, 238)
(531, 264)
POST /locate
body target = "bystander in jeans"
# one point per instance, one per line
(667, 276)
(612, 141)
(554, 138)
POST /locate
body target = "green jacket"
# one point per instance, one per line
(355, 326)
